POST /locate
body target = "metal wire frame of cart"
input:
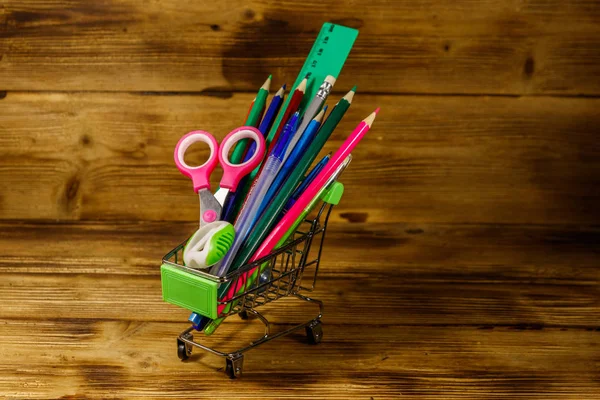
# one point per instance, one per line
(289, 271)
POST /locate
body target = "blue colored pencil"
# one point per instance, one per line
(232, 204)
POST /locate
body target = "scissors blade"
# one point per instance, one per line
(220, 195)
(208, 203)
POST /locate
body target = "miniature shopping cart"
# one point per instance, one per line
(289, 271)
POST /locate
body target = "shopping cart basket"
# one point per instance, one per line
(289, 271)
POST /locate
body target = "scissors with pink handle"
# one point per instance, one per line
(210, 206)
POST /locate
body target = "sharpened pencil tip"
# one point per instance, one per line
(377, 110)
(369, 120)
(349, 96)
(319, 116)
(302, 86)
(284, 86)
(353, 89)
(281, 91)
(267, 83)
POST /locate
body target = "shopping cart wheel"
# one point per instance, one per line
(233, 367)
(243, 315)
(183, 349)
(314, 332)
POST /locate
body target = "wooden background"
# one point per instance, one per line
(462, 262)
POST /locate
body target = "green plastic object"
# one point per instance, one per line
(220, 244)
(189, 291)
(208, 245)
(334, 194)
(327, 57)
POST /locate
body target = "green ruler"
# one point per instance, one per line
(327, 57)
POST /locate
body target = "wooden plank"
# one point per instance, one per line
(82, 156)
(419, 253)
(100, 359)
(382, 298)
(396, 275)
(507, 310)
(493, 46)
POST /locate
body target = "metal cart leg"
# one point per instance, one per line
(314, 332)
(184, 350)
(234, 363)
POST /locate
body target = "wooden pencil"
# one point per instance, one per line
(289, 111)
(258, 108)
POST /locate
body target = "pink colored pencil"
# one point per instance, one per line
(311, 191)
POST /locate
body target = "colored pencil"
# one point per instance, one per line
(338, 158)
(305, 182)
(234, 201)
(274, 134)
(253, 120)
(311, 110)
(289, 111)
(268, 119)
(274, 107)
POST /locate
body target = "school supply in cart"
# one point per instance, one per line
(255, 236)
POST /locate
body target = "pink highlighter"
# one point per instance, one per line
(311, 191)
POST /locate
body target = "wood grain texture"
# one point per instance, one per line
(457, 311)
(491, 46)
(461, 263)
(83, 156)
(128, 359)
(393, 277)
(421, 253)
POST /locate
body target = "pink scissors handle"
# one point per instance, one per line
(233, 173)
(200, 175)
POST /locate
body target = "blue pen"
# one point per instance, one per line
(290, 163)
(227, 214)
(245, 221)
(309, 178)
(286, 135)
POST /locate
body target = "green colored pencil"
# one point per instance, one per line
(253, 120)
